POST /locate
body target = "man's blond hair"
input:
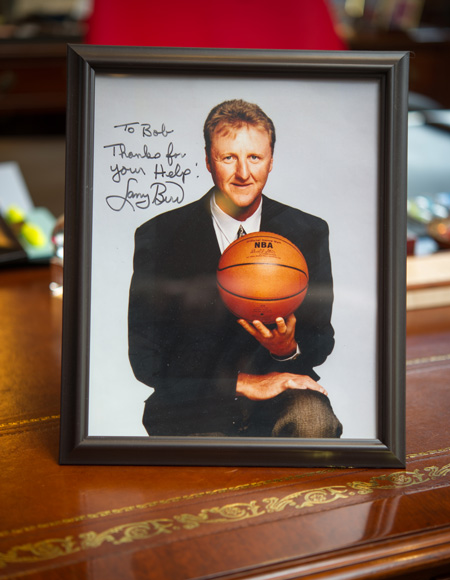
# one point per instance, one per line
(235, 114)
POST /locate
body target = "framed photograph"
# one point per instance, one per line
(234, 259)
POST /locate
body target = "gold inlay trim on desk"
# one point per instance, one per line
(162, 502)
(427, 453)
(193, 496)
(53, 548)
(428, 359)
(27, 422)
(188, 497)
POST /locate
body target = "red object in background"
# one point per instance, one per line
(293, 24)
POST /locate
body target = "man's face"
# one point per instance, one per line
(240, 162)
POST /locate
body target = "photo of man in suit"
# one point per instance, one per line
(214, 375)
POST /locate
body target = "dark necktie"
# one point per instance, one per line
(241, 232)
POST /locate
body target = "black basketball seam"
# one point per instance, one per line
(261, 299)
(262, 264)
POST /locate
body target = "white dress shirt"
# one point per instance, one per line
(226, 227)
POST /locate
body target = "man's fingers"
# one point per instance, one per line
(256, 329)
(291, 321)
(281, 325)
(247, 326)
(291, 384)
(316, 387)
(262, 329)
(305, 384)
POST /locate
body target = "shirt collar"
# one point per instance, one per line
(226, 227)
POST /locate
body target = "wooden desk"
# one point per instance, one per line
(183, 523)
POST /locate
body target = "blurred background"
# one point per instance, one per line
(34, 35)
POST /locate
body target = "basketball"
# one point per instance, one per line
(262, 276)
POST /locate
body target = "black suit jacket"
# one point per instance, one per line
(183, 341)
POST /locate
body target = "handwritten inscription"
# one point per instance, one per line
(144, 174)
(146, 129)
(120, 150)
(176, 172)
(171, 155)
(120, 171)
(158, 193)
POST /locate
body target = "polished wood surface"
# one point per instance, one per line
(178, 523)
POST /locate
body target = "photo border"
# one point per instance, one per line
(390, 69)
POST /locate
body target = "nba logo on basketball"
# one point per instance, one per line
(263, 245)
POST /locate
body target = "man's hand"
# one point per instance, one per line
(261, 387)
(279, 341)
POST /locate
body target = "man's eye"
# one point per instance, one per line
(254, 157)
(228, 158)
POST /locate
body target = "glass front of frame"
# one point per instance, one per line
(149, 158)
(148, 161)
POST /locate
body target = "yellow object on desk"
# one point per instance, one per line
(15, 215)
(34, 235)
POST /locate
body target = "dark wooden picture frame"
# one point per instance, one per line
(389, 72)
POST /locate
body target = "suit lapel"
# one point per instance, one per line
(271, 217)
(204, 240)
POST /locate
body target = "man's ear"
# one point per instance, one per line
(271, 164)
(208, 165)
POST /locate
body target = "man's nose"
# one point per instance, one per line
(242, 169)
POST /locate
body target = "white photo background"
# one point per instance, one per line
(149, 158)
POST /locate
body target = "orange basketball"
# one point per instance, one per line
(262, 276)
